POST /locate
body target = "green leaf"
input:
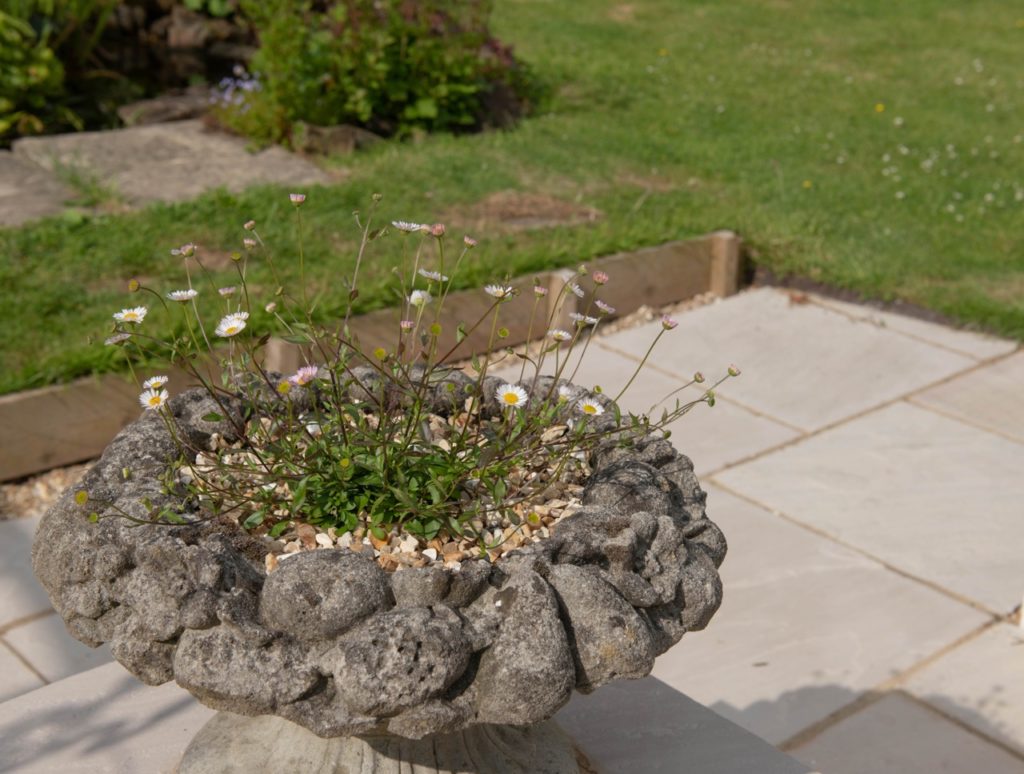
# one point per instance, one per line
(297, 338)
(254, 520)
(213, 416)
(278, 528)
(460, 333)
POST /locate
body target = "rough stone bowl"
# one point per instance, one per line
(335, 644)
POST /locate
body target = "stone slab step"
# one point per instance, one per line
(105, 721)
(27, 191)
(167, 162)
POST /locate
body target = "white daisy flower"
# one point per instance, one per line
(232, 324)
(153, 382)
(420, 298)
(511, 395)
(559, 335)
(436, 276)
(153, 399)
(183, 296)
(185, 251)
(411, 228)
(606, 308)
(591, 407)
(228, 291)
(134, 315)
(117, 338)
(304, 376)
(498, 291)
(583, 319)
(576, 289)
(564, 393)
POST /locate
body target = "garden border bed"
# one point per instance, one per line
(63, 424)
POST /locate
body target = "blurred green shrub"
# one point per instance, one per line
(390, 66)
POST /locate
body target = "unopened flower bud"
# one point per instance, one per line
(249, 225)
(734, 371)
(271, 307)
(377, 197)
(134, 285)
(250, 244)
(297, 199)
(698, 378)
(668, 323)
(468, 241)
(437, 230)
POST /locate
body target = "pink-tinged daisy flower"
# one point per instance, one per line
(540, 291)
(249, 225)
(420, 298)
(271, 307)
(154, 382)
(437, 230)
(183, 296)
(408, 227)
(499, 291)
(591, 407)
(232, 324)
(185, 251)
(600, 278)
(304, 376)
(668, 323)
(510, 395)
(230, 290)
(407, 325)
(134, 315)
(435, 276)
(153, 399)
(249, 244)
(606, 308)
(583, 319)
(559, 335)
(576, 289)
(297, 199)
(117, 338)
(468, 241)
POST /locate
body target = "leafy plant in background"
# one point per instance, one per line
(386, 65)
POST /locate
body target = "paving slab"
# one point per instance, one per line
(103, 720)
(168, 162)
(20, 593)
(930, 495)
(711, 437)
(28, 192)
(897, 735)
(980, 346)
(647, 726)
(55, 654)
(802, 364)
(991, 397)
(15, 677)
(806, 626)
(981, 683)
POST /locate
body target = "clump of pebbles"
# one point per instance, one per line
(545, 489)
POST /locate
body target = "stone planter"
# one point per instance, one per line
(332, 643)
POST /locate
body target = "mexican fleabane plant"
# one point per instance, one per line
(401, 450)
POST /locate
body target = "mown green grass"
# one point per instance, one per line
(672, 118)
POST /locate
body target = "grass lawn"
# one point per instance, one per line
(874, 146)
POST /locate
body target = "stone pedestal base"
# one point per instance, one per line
(270, 745)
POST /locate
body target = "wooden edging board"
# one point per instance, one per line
(60, 425)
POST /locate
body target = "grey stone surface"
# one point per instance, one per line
(801, 363)
(231, 744)
(28, 191)
(55, 654)
(981, 683)
(806, 626)
(20, 595)
(321, 643)
(932, 496)
(647, 727)
(989, 397)
(167, 162)
(896, 734)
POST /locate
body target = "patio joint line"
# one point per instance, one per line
(822, 304)
(913, 400)
(25, 619)
(24, 661)
(980, 607)
(894, 686)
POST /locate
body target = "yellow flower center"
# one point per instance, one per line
(511, 397)
(231, 330)
(589, 408)
(154, 400)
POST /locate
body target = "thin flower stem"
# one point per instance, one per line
(642, 362)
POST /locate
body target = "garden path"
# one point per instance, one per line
(127, 168)
(865, 468)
